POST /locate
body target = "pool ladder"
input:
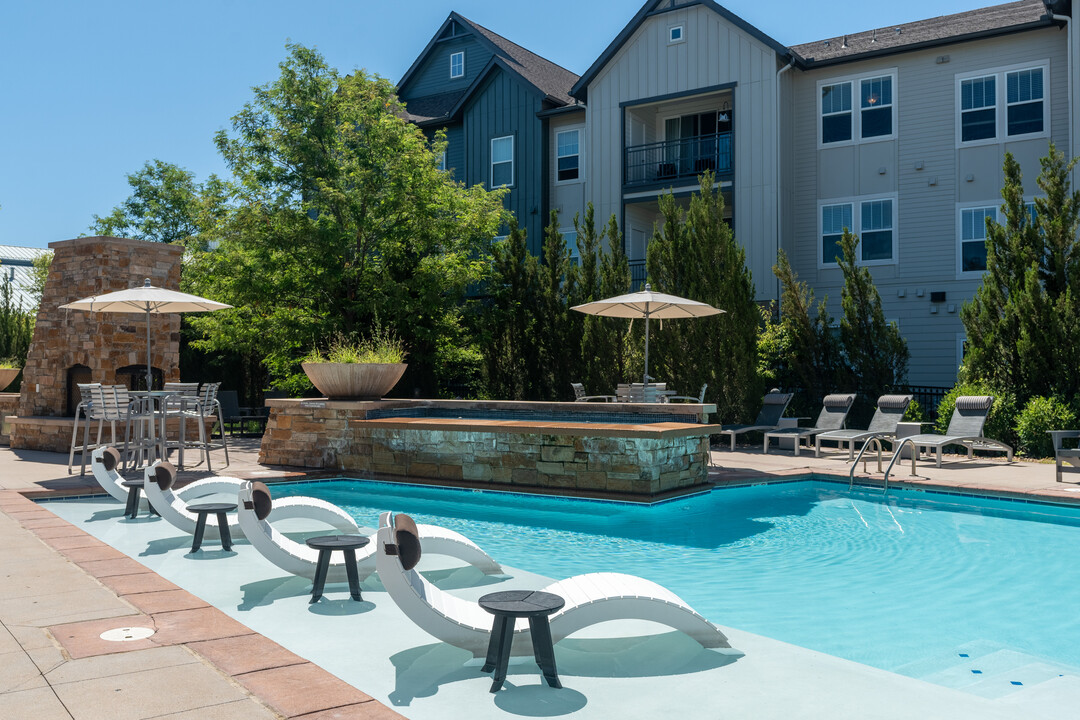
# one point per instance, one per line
(896, 456)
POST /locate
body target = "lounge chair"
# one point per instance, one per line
(965, 428)
(1063, 454)
(890, 411)
(580, 396)
(105, 460)
(700, 399)
(255, 504)
(772, 409)
(160, 477)
(590, 599)
(834, 412)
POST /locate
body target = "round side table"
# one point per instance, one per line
(326, 545)
(221, 510)
(506, 607)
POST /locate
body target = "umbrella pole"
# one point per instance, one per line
(645, 380)
(149, 371)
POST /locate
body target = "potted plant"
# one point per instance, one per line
(364, 370)
(9, 370)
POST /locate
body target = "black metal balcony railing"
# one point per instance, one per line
(675, 159)
(637, 275)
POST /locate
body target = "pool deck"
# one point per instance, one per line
(62, 587)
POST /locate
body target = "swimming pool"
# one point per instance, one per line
(952, 590)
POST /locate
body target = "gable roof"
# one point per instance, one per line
(945, 29)
(552, 80)
(581, 88)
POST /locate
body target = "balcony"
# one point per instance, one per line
(662, 163)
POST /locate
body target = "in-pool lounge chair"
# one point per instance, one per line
(890, 411)
(590, 599)
(772, 409)
(834, 412)
(104, 462)
(965, 428)
(161, 476)
(255, 505)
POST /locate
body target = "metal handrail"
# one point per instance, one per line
(896, 456)
(876, 440)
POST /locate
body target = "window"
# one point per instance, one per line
(836, 113)
(876, 228)
(978, 109)
(675, 34)
(568, 155)
(442, 160)
(1001, 104)
(457, 65)
(876, 106)
(973, 237)
(1024, 101)
(502, 161)
(570, 238)
(875, 119)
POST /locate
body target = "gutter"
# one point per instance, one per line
(1066, 21)
(779, 192)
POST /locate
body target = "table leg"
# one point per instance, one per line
(223, 526)
(504, 626)
(320, 575)
(200, 529)
(543, 649)
(354, 575)
(131, 510)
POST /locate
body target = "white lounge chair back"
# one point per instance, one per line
(890, 411)
(579, 391)
(772, 409)
(969, 415)
(701, 395)
(834, 411)
(104, 462)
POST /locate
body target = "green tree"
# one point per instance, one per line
(558, 330)
(604, 273)
(1024, 321)
(696, 256)
(874, 349)
(510, 349)
(340, 216)
(811, 355)
(39, 273)
(16, 327)
(166, 205)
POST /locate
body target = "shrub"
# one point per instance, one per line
(382, 346)
(914, 412)
(1000, 425)
(1040, 415)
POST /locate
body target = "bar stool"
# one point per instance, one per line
(204, 407)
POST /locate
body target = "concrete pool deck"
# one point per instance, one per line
(59, 577)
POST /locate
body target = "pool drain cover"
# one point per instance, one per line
(126, 634)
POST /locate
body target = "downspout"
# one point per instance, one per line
(1069, 81)
(779, 192)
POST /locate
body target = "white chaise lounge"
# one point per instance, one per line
(590, 599)
(160, 477)
(255, 505)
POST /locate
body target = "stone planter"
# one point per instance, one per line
(7, 376)
(354, 381)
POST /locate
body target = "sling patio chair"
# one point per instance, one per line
(590, 599)
(965, 428)
(700, 399)
(890, 411)
(834, 412)
(580, 396)
(772, 409)
(255, 505)
(1063, 454)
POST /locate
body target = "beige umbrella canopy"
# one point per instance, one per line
(146, 299)
(648, 304)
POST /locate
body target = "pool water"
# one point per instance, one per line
(923, 584)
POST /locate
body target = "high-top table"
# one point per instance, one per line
(508, 605)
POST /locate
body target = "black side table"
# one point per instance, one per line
(511, 604)
(221, 510)
(326, 545)
(134, 487)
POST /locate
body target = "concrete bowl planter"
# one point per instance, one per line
(354, 381)
(7, 376)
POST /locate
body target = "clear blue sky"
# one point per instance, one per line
(89, 91)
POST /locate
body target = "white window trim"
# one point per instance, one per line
(1001, 98)
(572, 247)
(856, 216)
(856, 108)
(452, 56)
(961, 338)
(960, 208)
(491, 162)
(441, 164)
(682, 34)
(580, 129)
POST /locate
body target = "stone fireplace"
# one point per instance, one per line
(72, 346)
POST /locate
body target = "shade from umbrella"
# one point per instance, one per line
(146, 299)
(648, 304)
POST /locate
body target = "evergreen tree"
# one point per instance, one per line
(696, 256)
(16, 328)
(874, 349)
(558, 334)
(604, 343)
(510, 349)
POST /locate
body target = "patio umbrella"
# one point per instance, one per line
(146, 299)
(648, 304)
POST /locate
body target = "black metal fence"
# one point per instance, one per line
(637, 275)
(673, 159)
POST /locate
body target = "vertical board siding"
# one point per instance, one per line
(433, 77)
